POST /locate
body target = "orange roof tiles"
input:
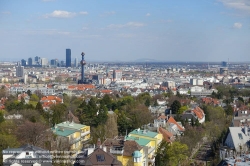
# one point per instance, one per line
(168, 137)
(198, 112)
(172, 120)
(162, 117)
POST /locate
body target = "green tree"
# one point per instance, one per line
(171, 154)
(175, 106)
(39, 108)
(1, 117)
(182, 109)
(156, 103)
(34, 97)
(29, 92)
(147, 102)
(59, 113)
(241, 99)
(229, 110)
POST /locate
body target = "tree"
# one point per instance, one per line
(175, 106)
(147, 102)
(241, 99)
(31, 133)
(3, 92)
(197, 123)
(171, 154)
(1, 117)
(34, 97)
(7, 141)
(182, 109)
(156, 103)
(29, 93)
(39, 108)
(229, 110)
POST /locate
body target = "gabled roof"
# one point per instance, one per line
(172, 120)
(239, 136)
(100, 157)
(198, 112)
(168, 137)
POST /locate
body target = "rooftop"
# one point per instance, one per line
(145, 133)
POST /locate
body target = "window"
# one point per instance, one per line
(100, 158)
(240, 136)
(27, 153)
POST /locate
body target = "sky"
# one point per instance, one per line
(126, 30)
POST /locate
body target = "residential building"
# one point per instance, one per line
(238, 139)
(68, 57)
(117, 74)
(19, 71)
(71, 134)
(201, 91)
(26, 155)
(128, 152)
(148, 139)
(99, 157)
(195, 113)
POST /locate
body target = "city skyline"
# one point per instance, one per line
(215, 30)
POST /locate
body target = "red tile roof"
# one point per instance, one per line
(198, 112)
(172, 120)
(167, 136)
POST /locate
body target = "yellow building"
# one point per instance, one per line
(146, 138)
(136, 149)
(71, 135)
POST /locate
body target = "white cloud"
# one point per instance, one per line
(148, 14)
(237, 25)
(108, 13)
(85, 28)
(84, 13)
(6, 12)
(60, 14)
(242, 5)
(127, 25)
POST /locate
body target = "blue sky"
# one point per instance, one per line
(119, 30)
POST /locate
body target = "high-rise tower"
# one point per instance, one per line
(83, 62)
(68, 57)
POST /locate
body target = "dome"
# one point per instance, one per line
(137, 154)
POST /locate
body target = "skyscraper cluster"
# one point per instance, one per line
(42, 62)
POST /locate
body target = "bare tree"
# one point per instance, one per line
(34, 133)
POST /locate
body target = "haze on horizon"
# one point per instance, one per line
(202, 30)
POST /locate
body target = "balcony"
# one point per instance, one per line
(74, 140)
(85, 133)
(116, 151)
(151, 150)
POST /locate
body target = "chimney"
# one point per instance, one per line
(246, 130)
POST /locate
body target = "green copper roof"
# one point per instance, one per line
(145, 133)
(63, 132)
(140, 141)
(70, 125)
